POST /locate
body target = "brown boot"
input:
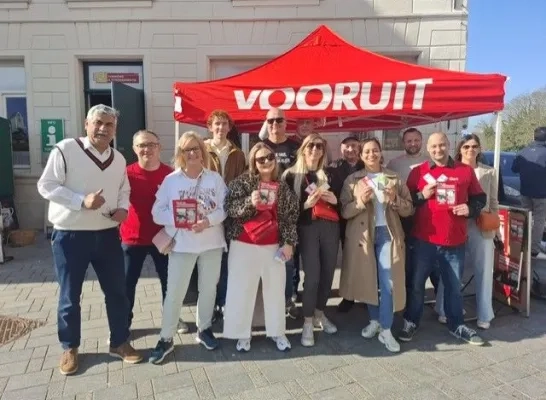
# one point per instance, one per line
(126, 353)
(69, 362)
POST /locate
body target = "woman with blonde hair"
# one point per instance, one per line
(190, 206)
(261, 225)
(318, 232)
(373, 200)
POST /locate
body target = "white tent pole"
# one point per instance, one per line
(176, 135)
(498, 135)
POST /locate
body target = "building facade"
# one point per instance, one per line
(59, 57)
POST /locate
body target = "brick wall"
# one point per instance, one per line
(175, 41)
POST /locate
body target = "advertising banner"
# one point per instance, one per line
(512, 268)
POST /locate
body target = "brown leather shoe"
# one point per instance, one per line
(69, 362)
(126, 353)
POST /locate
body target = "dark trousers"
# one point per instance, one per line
(319, 243)
(292, 275)
(73, 251)
(134, 257)
(221, 288)
(448, 261)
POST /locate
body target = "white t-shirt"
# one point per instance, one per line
(378, 200)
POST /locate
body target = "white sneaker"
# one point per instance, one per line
(325, 324)
(385, 337)
(307, 335)
(243, 345)
(540, 256)
(372, 329)
(282, 342)
(182, 327)
(483, 324)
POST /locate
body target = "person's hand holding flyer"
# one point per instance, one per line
(267, 192)
(185, 213)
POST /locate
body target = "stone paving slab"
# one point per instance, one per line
(343, 366)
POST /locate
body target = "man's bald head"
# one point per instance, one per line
(275, 113)
(276, 125)
(438, 147)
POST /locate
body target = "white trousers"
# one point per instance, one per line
(180, 269)
(247, 264)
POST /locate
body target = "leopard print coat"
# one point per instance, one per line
(239, 209)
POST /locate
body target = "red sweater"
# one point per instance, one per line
(139, 227)
(436, 224)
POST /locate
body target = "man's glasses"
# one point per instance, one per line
(262, 160)
(279, 120)
(469, 146)
(151, 145)
(195, 149)
(318, 146)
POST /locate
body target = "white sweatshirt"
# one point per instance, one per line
(210, 198)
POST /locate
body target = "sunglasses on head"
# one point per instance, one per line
(316, 145)
(470, 146)
(279, 120)
(262, 160)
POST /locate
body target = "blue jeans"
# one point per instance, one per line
(426, 257)
(134, 256)
(73, 251)
(479, 257)
(383, 256)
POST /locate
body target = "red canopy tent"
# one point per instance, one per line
(349, 88)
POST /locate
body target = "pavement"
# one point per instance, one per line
(343, 366)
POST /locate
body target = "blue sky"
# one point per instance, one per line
(508, 37)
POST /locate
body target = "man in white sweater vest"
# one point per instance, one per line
(88, 191)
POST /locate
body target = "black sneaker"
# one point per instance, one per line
(407, 332)
(207, 339)
(345, 306)
(291, 309)
(470, 336)
(161, 350)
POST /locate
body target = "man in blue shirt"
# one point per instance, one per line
(530, 164)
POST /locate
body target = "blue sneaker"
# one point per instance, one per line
(162, 349)
(207, 339)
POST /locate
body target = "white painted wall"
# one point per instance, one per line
(176, 40)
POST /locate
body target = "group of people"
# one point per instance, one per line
(245, 221)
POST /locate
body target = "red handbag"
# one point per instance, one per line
(261, 226)
(325, 210)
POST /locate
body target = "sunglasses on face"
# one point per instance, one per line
(262, 160)
(318, 146)
(151, 145)
(279, 120)
(468, 146)
(196, 149)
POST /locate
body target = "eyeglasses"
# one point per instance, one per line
(195, 149)
(468, 146)
(151, 145)
(279, 120)
(315, 145)
(262, 160)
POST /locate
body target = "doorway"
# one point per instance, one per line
(119, 85)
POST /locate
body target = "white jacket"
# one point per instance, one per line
(210, 199)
